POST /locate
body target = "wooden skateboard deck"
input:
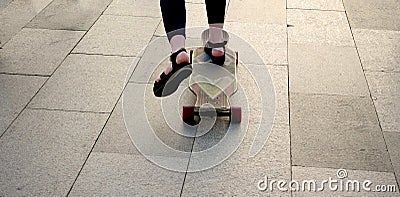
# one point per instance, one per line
(213, 84)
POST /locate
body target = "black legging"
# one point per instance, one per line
(174, 15)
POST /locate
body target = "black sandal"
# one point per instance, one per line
(169, 83)
(208, 50)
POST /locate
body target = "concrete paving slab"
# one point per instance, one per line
(158, 133)
(318, 175)
(150, 8)
(85, 83)
(142, 112)
(319, 27)
(379, 49)
(326, 70)
(69, 15)
(115, 137)
(43, 151)
(250, 84)
(336, 5)
(392, 142)
(196, 15)
(388, 109)
(257, 11)
(118, 35)
(280, 79)
(160, 31)
(372, 14)
(37, 51)
(336, 132)
(4, 4)
(240, 174)
(16, 91)
(25, 10)
(384, 90)
(268, 40)
(126, 175)
(383, 84)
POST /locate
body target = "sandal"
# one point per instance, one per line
(169, 83)
(208, 50)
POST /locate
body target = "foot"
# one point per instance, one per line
(182, 57)
(169, 80)
(216, 51)
(216, 35)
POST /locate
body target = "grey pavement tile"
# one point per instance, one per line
(257, 11)
(25, 10)
(196, 15)
(127, 175)
(160, 31)
(251, 85)
(279, 76)
(16, 91)
(336, 132)
(240, 174)
(43, 151)
(354, 177)
(118, 35)
(69, 15)
(383, 84)
(324, 69)
(37, 51)
(256, 42)
(115, 137)
(150, 8)
(85, 83)
(379, 49)
(386, 96)
(4, 3)
(388, 110)
(336, 5)
(393, 142)
(371, 14)
(141, 111)
(319, 27)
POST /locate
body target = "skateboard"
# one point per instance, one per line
(213, 84)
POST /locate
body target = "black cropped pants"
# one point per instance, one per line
(174, 15)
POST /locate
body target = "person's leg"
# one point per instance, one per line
(174, 18)
(216, 16)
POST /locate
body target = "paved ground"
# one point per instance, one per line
(334, 64)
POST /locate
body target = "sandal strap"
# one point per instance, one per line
(216, 45)
(163, 76)
(174, 54)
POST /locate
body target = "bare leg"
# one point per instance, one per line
(216, 36)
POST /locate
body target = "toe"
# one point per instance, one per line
(217, 52)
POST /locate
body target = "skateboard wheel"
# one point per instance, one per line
(236, 114)
(188, 113)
